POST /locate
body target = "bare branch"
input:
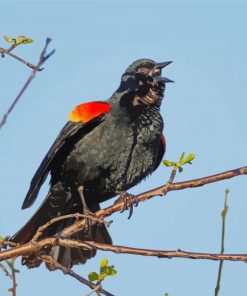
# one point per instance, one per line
(7, 51)
(49, 260)
(34, 248)
(5, 270)
(223, 216)
(42, 228)
(160, 191)
(167, 254)
(95, 290)
(13, 275)
(43, 58)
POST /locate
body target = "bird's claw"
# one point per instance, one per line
(88, 221)
(129, 201)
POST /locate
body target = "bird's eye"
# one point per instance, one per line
(143, 71)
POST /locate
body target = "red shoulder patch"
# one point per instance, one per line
(88, 111)
(163, 140)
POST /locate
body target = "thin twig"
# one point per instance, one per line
(4, 51)
(5, 270)
(43, 58)
(95, 290)
(172, 176)
(13, 276)
(49, 260)
(42, 228)
(5, 243)
(8, 51)
(223, 216)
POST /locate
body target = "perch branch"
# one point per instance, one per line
(42, 228)
(160, 191)
(34, 248)
(35, 245)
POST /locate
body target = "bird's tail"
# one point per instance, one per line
(57, 203)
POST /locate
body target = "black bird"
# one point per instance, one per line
(105, 148)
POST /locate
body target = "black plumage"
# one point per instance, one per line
(108, 154)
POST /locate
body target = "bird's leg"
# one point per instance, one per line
(86, 211)
(129, 201)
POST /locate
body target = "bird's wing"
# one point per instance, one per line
(83, 119)
(161, 151)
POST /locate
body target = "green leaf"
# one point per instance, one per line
(23, 40)
(19, 40)
(1, 239)
(8, 39)
(102, 277)
(181, 157)
(27, 40)
(189, 158)
(110, 271)
(93, 276)
(166, 294)
(168, 163)
(103, 265)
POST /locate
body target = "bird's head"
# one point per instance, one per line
(144, 83)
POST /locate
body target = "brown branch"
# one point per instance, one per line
(30, 248)
(172, 176)
(34, 248)
(42, 59)
(3, 50)
(13, 275)
(222, 249)
(5, 270)
(42, 228)
(7, 51)
(49, 260)
(160, 191)
(95, 290)
(167, 254)
(6, 243)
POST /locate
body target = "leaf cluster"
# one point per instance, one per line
(18, 40)
(182, 161)
(105, 270)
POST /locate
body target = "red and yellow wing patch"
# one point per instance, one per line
(88, 111)
(163, 140)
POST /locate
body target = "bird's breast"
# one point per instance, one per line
(113, 157)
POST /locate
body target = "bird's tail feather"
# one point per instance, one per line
(57, 203)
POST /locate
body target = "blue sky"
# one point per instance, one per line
(204, 112)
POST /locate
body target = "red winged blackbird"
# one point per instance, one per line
(106, 147)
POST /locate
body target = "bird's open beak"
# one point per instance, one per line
(160, 66)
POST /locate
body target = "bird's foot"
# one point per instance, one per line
(87, 213)
(129, 202)
(89, 217)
